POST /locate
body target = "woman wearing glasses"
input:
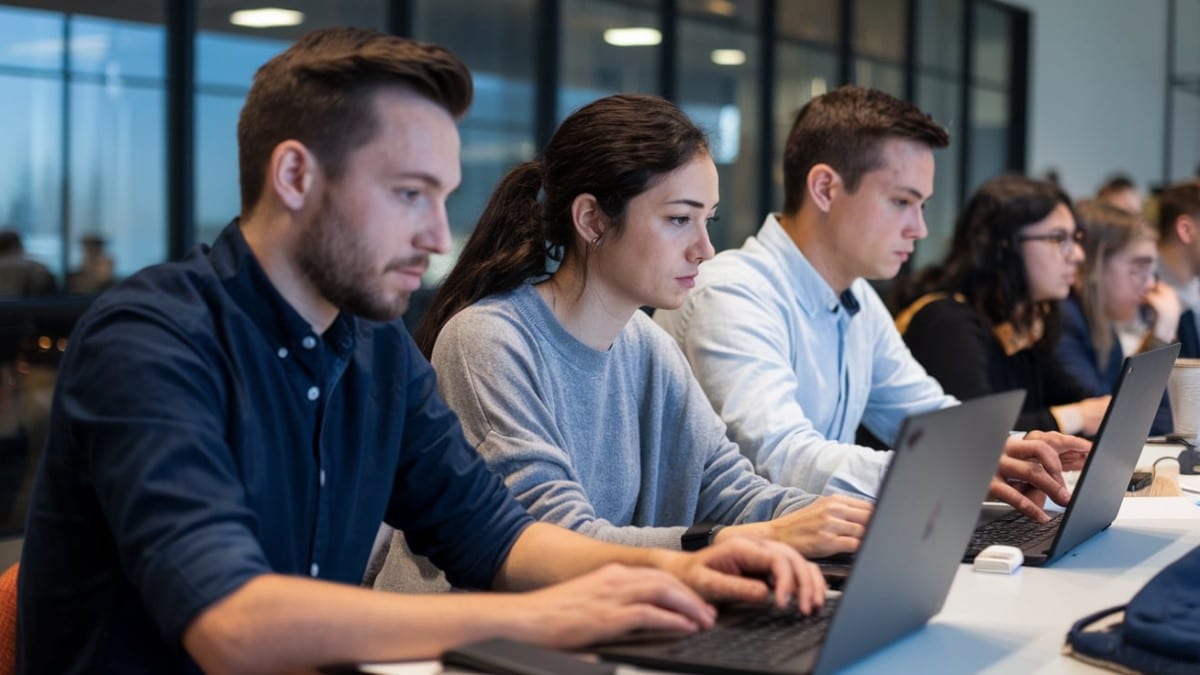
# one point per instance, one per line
(1116, 282)
(988, 319)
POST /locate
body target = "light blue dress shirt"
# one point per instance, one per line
(793, 368)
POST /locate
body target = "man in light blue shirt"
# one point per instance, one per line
(793, 346)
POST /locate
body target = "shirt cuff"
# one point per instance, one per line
(1070, 421)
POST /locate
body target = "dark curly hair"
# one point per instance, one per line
(985, 263)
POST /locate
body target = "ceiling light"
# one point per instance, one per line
(728, 57)
(722, 7)
(632, 37)
(266, 17)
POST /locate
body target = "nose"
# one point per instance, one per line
(702, 248)
(435, 238)
(1077, 253)
(917, 229)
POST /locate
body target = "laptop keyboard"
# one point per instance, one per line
(1014, 529)
(765, 639)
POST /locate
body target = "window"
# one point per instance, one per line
(227, 57)
(607, 48)
(498, 132)
(719, 88)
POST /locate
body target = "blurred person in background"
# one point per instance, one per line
(1116, 282)
(988, 319)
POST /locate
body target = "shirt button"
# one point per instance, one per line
(321, 478)
(314, 570)
(313, 393)
(308, 342)
(283, 352)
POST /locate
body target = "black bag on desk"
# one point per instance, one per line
(1160, 632)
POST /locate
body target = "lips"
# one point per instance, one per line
(410, 275)
(687, 282)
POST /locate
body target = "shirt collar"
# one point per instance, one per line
(251, 289)
(812, 291)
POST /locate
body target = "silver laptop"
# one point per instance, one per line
(927, 506)
(1101, 485)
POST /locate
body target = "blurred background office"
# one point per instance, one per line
(118, 123)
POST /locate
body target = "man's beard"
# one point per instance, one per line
(339, 266)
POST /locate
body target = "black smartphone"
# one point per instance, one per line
(1139, 480)
(507, 657)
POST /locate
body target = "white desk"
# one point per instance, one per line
(1017, 624)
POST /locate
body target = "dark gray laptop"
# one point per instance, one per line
(1101, 485)
(927, 506)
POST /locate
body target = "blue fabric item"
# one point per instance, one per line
(1161, 628)
(1164, 616)
(202, 434)
(1078, 357)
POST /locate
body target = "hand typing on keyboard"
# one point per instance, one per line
(1031, 469)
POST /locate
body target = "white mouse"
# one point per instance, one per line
(999, 559)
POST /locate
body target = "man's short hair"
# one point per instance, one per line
(320, 92)
(1181, 199)
(1115, 184)
(846, 129)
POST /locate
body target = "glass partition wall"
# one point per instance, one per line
(118, 126)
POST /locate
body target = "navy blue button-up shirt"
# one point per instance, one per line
(203, 434)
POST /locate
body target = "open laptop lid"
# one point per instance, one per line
(1119, 442)
(943, 463)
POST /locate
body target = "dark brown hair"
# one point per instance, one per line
(985, 263)
(1181, 199)
(613, 149)
(846, 129)
(320, 91)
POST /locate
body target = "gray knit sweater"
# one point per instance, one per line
(621, 445)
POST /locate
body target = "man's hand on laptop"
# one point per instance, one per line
(1072, 450)
(828, 526)
(603, 605)
(1031, 469)
(719, 573)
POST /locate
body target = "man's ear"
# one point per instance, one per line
(823, 184)
(1185, 229)
(293, 171)
(589, 219)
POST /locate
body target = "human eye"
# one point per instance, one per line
(712, 219)
(408, 195)
(679, 220)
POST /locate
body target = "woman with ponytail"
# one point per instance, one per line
(586, 407)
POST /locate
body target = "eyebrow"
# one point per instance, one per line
(427, 178)
(915, 192)
(692, 202)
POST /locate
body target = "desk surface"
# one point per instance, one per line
(1005, 624)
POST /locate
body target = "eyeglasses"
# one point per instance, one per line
(1141, 269)
(1066, 240)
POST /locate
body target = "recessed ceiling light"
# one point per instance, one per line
(722, 7)
(728, 57)
(266, 17)
(632, 37)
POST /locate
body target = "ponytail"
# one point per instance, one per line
(506, 248)
(613, 149)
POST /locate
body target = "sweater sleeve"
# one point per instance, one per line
(730, 491)
(488, 370)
